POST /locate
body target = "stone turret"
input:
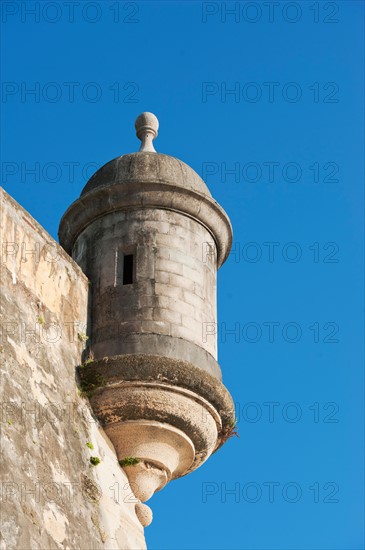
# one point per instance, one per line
(150, 238)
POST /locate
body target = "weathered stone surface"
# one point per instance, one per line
(172, 372)
(106, 199)
(144, 514)
(52, 496)
(147, 168)
(99, 250)
(170, 406)
(165, 415)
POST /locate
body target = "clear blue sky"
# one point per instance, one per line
(293, 131)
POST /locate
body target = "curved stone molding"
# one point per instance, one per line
(165, 415)
(137, 195)
(178, 407)
(146, 368)
(163, 453)
(162, 345)
(144, 514)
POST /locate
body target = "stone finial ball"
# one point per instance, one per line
(146, 122)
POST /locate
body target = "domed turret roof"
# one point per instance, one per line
(147, 180)
(148, 168)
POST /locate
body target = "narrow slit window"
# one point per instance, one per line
(128, 269)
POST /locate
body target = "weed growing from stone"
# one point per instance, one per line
(230, 431)
(129, 461)
(90, 359)
(89, 382)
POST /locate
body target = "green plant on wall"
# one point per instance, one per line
(89, 382)
(129, 461)
(90, 359)
(231, 431)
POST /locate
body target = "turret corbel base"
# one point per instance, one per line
(164, 416)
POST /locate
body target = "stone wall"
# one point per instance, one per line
(51, 495)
